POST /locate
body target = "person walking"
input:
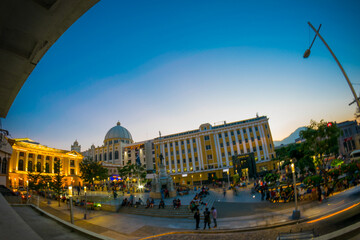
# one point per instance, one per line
(214, 216)
(197, 218)
(224, 191)
(207, 220)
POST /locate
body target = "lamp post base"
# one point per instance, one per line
(296, 215)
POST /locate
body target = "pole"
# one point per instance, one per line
(85, 202)
(295, 191)
(71, 208)
(296, 212)
(228, 173)
(337, 61)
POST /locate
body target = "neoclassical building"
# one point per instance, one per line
(29, 155)
(119, 149)
(209, 152)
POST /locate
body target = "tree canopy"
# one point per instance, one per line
(92, 170)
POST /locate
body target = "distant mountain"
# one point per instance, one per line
(291, 138)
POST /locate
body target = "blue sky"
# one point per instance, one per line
(173, 65)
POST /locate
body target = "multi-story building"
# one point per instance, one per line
(349, 139)
(5, 154)
(30, 156)
(76, 147)
(208, 152)
(119, 149)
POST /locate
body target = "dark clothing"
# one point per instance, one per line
(207, 219)
(197, 219)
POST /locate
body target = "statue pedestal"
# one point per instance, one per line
(157, 195)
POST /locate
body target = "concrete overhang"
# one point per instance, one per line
(28, 28)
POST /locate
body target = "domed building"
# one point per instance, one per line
(120, 149)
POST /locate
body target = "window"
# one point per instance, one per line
(22, 154)
(176, 143)
(38, 167)
(232, 133)
(195, 149)
(260, 148)
(47, 158)
(240, 141)
(270, 146)
(187, 141)
(219, 135)
(100, 157)
(177, 152)
(171, 144)
(172, 162)
(194, 140)
(182, 142)
(208, 147)
(209, 157)
(184, 160)
(4, 166)
(183, 151)
(223, 154)
(178, 161)
(221, 145)
(244, 130)
(258, 138)
(72, 163)
(95, 158)
(252, 139)
(265, 126)
(189, 150)
(104, 156)
(256, 128)
(39, 157)
(268, 136)
(246, 140)
(190, 160)
(116, 154)
(30, 166)
(116, 141)
(227, 144)
(172, 153)
(166, 154)
(72, 171)
(226, 134)
(234, 142)
(248, 150)
(250, 129)
(31, 155)
(206, 138)
(47, 167)
(196, 159)
(238, 132)
(21, 165)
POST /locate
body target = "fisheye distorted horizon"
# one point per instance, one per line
(171, 66)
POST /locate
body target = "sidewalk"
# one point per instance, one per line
(126, 226)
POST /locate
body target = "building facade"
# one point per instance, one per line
(30, 156)
(349, 139)
(208, 152)
(119, 149)
(76, 147)
(5, 154)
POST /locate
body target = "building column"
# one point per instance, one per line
(231, 144)
(243, 140)
(175, 160)
(26, 161)
(192, 154)
(186, 156)
(199, 150)
(52, 160)
(264, 142)
(169, 157)
(35, 162)
(237, 143)
(226, 150)
(218, 158)
(257, 144)
(180, 154)
(17, 160)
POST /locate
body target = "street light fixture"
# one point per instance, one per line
(296, 212)
(85, 202)
(307, 54)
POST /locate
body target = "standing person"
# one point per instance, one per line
(214, 216)
(224, 191)
(207, 220)
(197, 218)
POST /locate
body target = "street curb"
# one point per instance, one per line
(68, 225)
(341, 232)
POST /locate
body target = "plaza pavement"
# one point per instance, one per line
(128, 226)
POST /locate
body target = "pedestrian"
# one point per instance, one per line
(197, 218)
(224, 191)
(115, 194)
(207, 220)
(214, 215)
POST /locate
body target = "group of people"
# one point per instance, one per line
(207, 218)
(176, 203)
(198, 200)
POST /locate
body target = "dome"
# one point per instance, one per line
(118, 132)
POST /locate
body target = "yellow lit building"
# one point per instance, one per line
(29, 155)
(206, 153)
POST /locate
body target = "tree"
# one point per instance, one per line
(35, 181)
(57, 181)
(321, 139)
(92, 170)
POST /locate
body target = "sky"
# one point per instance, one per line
(170, 66)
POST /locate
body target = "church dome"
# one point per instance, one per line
(118, 132)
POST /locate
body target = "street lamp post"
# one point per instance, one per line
(307, 54)
(296, 212)
(228, 176)
(71, 208)
(27, 191)
(200, 180)
(85, 202)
